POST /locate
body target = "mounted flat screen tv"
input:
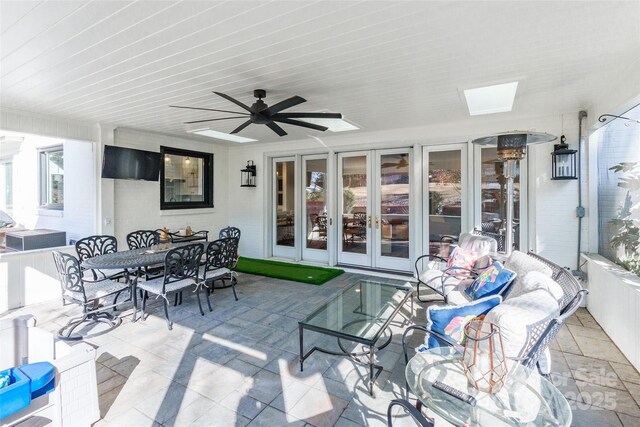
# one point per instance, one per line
(127, 163)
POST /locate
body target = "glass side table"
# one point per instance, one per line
(527, 399)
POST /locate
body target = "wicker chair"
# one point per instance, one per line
(440, 278)
(79, 289)
(540, 334)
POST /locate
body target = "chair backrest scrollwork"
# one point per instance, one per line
(222, 253)
(70, 276)
(96, 245)
(142, 239)
(229, 232)
(182, 263)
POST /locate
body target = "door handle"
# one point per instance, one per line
(377, 222)
(369, 221)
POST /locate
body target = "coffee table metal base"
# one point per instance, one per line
(374, 370)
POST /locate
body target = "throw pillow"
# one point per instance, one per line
(520, 319)
(534, 281)
(461, 258)
(450, 320)
(5, 380)
(493, 280)
(521, 264)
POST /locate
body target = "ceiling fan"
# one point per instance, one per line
(262, 114)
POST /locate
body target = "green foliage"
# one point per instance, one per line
(436, 200)
(627, 233)
(348, 200)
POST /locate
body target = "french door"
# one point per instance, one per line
(284, 212)
(316, 218)
(445, 197)
(373, 209)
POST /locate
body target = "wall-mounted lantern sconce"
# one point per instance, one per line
(248, 175)
(563, 161)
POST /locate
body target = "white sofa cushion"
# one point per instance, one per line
(534, 281)
(522, 264)
(518, 315)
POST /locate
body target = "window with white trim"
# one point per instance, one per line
(51, 170)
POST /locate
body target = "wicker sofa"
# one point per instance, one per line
(538, 334)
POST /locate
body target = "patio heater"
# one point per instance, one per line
(512, 147)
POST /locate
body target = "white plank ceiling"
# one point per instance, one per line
(382, 64)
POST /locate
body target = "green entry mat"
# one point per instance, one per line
(287, 271)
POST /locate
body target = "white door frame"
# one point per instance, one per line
(278, 250)
(310, 254)
(350, 258)
(466, 208)
(380, 261)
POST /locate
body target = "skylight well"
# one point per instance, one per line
(491, 99)
(221, 135)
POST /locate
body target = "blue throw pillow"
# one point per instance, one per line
(450, 320)
(491, 281)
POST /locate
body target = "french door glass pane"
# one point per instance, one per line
(316, 205)
(445, 199)
(493, 199)
(394, 205)
(285, 200)
(354, 204)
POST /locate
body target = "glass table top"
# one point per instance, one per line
(526, 399)
(360, 311)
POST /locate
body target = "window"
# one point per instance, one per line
(52, 178)
(186, 179)
(6, 182)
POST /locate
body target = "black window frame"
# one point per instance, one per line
(207, 179)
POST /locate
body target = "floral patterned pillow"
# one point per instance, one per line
(493, 280)
(463, 259)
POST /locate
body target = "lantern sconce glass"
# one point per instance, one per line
(248, 175)
(563, 161)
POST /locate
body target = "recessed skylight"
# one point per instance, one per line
(334, 125)
(491, 99)
(221, 135)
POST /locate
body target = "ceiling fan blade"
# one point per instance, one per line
(212, 120)
(308, 115)
(242, 126)
(277, 129)
(300, 123)
(235, 101)
(283, 105)
(209, 109)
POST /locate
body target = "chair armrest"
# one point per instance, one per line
(451, 271)
(412, 410)
(123, 273)
(431, 258)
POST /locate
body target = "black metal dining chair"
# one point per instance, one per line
(181, 265)
(222, 258)
(79, 288)
(142, 239)
(229, 232)
(91, 246)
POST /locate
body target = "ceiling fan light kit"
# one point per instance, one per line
(262, 114)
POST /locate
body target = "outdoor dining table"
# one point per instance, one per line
(131, 260)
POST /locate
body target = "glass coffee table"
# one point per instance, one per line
(526, 399)
(360, 313)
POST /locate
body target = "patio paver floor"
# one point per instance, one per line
(239, 365)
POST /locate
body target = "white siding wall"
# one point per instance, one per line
(77, 217)
(137, 203)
